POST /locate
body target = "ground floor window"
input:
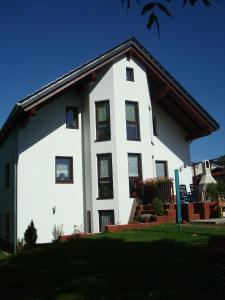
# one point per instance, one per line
(106, 217)
(135, 174)
(105, 177)
(161, 168)
(63, 169)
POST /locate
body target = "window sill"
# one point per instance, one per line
(105, 198)
(72, 127)
(134, 140)
(64, 182)
(96, 141)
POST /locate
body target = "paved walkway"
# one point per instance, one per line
(209, 221)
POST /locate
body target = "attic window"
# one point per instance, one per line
(72, 120)
(130, 74)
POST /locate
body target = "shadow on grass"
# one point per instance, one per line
(109, 269)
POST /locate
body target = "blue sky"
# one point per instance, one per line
(41, 40)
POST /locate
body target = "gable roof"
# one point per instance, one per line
(170, 87)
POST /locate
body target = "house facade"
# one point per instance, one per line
(72, 153)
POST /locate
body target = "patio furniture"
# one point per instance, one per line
(184, 195)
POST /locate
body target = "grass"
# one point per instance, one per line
(156, 263)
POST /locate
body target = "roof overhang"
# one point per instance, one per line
(168, 93)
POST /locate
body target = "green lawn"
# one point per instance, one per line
(155, 263)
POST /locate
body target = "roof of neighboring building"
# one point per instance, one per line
(135, 48)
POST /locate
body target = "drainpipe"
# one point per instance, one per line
(15, 186)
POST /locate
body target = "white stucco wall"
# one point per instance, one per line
(170, 146)
(7, 155)
(46, 137)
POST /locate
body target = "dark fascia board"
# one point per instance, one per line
(76, 73)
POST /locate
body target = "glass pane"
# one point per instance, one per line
(134, 188)
(102, 112)
(130, 112)
(70, 118)
(105, 189)
(63, 169)
(104, 168)
(133, 166)
(160, 169)
(130, 74)
(103, 131)
(132, 132)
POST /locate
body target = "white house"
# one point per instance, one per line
(70, 152)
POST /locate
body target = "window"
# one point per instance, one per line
(106, 217)
(7, 175)
(102, 121)
(161, 168)
(72, 117)
(135, 174)
(132, 121)
(105, 180)
(154, 126)
(64, 169)
(7, 226)
(130, 74)
(88, 221)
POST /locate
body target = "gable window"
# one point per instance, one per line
(154, 124)
(132, 121)
(72, 117)
(63, 169)
(135, 174)
(161, 168)
(105, 179)
(102, 121)
(130, 74)
(7, 175)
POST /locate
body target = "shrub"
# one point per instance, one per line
(157, 207)
(30, 235)
(215, 189)
(57, 231)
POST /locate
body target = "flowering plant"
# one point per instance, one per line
(156, 180)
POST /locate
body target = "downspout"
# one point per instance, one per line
(15, 186)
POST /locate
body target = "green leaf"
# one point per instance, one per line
(148, 7)
(153, 20)
(164, 9)
(207, 3)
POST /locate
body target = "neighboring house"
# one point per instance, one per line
(217, 171)
(72, 152)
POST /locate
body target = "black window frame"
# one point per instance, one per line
(110, 212)
(7, 175)
(70, 180)
(134, 181)
(99, 123)
(165, 163)
(75, 110)
(129, 74)
(136, 122)
(107, 156)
